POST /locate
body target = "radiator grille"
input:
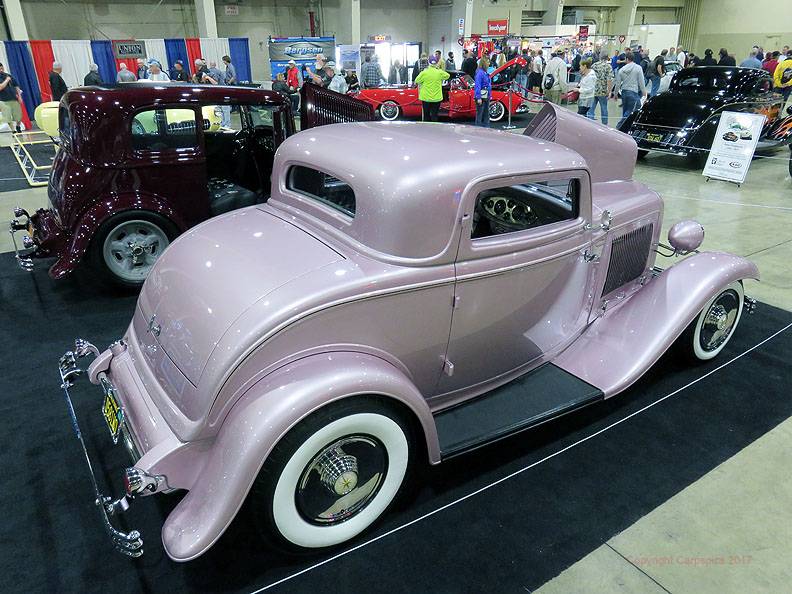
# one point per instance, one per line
(628, 256)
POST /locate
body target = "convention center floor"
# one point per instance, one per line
(679, 485)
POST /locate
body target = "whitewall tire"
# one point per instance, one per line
(497, 110)
(333, 476)
(389, 110)
(709, 333)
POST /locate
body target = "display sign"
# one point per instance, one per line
(734, 145)
(461, 26)
(300, 48)
(303, 50)
(497, 26)
(129, 48)
(232, 10)
(349, 57)
(583, 32)
(379, 37)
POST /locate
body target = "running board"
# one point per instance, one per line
(534, 398)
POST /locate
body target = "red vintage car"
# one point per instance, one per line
(394, 101)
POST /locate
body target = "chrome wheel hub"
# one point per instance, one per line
(131, 249)
(338, 471)
(341, 480)
(719, 321)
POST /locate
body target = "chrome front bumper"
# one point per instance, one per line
(129, 543)
(23, 256)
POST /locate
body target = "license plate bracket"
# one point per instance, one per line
(113, 414)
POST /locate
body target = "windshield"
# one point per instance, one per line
(703, 80)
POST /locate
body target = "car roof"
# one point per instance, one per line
(141, 93)
(408, 177)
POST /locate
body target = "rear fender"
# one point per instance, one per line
(97, 214)
(622, 344)
(261, 417)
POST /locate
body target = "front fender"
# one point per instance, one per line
(97, 214)
(621, 345)
(261, 417)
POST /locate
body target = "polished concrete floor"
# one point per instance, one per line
(731, 531)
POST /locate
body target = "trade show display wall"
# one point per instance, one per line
(31, 61)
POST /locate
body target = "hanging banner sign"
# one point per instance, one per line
(129, 48)
(349, 56)
(461, 26)
(497, 27)
(583, 32)
(303, 50)
(622, 38)
(734, 145)
(300, 48)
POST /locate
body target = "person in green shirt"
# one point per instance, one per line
(430, 89)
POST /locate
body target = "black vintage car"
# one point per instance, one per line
(684, 119)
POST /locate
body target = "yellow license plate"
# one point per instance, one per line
(654, 137)
(112, 414)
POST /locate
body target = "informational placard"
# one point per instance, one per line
(734, 146)
(496, 27)
(129, 48)
(461, 26)
(349, 57)
(232, 10)
(303, 50)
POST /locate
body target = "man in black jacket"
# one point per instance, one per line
(92, 79)
(57, 84)
(468, 64)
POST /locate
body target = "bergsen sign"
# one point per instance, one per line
(497, 26)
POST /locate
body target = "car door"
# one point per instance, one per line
(167, 159)
(523, 286)
(461, 97)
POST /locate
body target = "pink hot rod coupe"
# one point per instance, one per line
(428, 289)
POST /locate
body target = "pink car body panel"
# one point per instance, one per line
(268, 313)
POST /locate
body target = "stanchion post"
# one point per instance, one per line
(509, 125)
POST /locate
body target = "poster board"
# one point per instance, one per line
(733, 146)
(303, 50)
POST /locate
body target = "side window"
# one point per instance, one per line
(763, 86)
(164, 129)
(64, 125)
(323, 187)
(510, 209)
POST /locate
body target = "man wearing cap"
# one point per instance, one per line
(179, 74)
(155, 73)
(430, 89)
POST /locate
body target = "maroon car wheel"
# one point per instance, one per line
(127, 245)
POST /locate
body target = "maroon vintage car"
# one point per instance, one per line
(395, 101)
(140, 163)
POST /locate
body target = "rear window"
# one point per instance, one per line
(164, 129)
(64, 124)
(323, 187)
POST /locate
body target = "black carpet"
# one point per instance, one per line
(11, 175)
(512, 537)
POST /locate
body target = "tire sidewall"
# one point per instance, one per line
(286, 519)
(697, 351)
(96, 248)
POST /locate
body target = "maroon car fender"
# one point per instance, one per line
(632, 336)
(261, 417)
(100, 211)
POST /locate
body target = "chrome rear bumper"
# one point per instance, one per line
(129, 543)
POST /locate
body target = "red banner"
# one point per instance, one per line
(583, 31)
(498, 27)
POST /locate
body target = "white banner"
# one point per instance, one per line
(734, 146)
